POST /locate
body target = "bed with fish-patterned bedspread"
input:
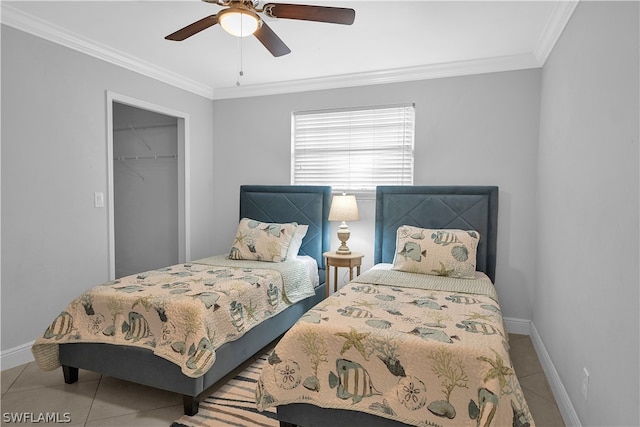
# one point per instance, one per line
(185, 327)
(182, 312)
(419, 349)
(397, 348)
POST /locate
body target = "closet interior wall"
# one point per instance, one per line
(145, 175)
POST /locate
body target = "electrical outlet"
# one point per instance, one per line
(585, 383)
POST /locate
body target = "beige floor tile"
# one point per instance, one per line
(72, 399)
(537, 383)
(518, 337)
(116, 398)
(545, 413)
(154, 418)
(34, 377)
(524, 357)
(9, 376)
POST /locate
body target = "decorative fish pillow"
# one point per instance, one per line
(262, 241)
(447, 252)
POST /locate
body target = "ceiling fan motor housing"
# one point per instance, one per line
(239, 21)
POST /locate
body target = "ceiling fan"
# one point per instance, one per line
(241, 19)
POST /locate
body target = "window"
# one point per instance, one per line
(353, 150)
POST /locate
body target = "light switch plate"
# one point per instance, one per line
(98, 200)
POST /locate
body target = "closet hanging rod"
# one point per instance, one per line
(168, 156)
(156, 125)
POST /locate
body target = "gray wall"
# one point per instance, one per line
(586, 293)
(54, 147)
(480, 130)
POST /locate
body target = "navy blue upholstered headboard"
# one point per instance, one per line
(462, 207)
(304, 204)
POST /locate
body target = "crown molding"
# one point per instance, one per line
(555, 25)
(558, 19)
(35, 26)
(449, 69)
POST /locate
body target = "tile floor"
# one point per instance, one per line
(98, 400)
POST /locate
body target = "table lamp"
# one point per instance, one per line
(344, 208)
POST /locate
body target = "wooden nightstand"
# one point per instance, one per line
(331, 259)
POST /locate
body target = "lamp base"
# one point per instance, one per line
(343, 235)
(343, 250)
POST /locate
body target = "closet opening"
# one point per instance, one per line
(148, 220)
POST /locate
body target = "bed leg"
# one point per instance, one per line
(191, 404)
(70, 374)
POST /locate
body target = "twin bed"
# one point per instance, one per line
(417, 340)
(151, 328)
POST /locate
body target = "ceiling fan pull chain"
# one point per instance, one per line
(240, 73)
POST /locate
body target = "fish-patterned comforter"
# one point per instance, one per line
(423, 350)
(182, 313)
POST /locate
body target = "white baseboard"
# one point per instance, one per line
(517, 326)
(16, 356)
(565, 406)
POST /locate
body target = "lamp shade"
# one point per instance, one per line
(344, 208)
(239, 22)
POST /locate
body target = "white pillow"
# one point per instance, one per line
(296, 241)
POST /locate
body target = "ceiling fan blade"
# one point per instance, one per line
(333, 15)
(194, 28)
(271, 41)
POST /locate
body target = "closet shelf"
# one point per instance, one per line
(168, 156)
(155, 125)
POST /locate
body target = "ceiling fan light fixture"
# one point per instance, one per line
(239, 22)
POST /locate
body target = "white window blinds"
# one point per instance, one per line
(353, 150)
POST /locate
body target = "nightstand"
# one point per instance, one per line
(331, 259)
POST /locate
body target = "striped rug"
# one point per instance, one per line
(233, 404)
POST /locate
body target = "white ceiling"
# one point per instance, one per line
(389, 41)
